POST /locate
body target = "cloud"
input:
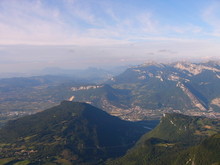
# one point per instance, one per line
(36, 22)
(29, 22)
(167, 51)
(90, 22)
(185, 29)
(211, 16)
(26, 58)
(147, 23)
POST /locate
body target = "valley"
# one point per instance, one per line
(141, 92)
(154, 114)
(78, 133)
(72, 131)
(109, 82)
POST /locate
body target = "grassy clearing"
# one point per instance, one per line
(165, 144)
(24, 162)
(63, 162)
(5, 160)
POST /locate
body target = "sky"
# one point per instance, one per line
(35, 34)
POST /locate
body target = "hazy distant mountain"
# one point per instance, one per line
(71, 133)
(90, 74)
(27, 82)
(27, 95)
(177, 140)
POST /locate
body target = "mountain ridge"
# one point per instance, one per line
(141, 92)
(183, 87)
(177, 140)
(73, 131)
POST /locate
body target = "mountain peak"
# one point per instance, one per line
(80, 130)
(71, 103)
(152, 64)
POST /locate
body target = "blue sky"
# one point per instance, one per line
(122, 29)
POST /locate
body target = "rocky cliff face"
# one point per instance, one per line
(195, 69)
(194, 100)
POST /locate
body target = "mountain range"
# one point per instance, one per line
(141, 92)
(72, 133)
(78, 133)
(153, 89)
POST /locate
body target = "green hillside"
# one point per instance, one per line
(104, 96)
(206, 153)
(71, 132)
(177, 140)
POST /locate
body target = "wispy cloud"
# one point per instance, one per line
(211, 16)
(29, 22)
(34, 22)
(76, 22)
(101, 33)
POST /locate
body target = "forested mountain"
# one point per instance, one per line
(177, 140)
(78, 133)
(71, 132)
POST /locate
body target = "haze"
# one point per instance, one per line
(77, 34)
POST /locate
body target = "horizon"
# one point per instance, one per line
(73, 34)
